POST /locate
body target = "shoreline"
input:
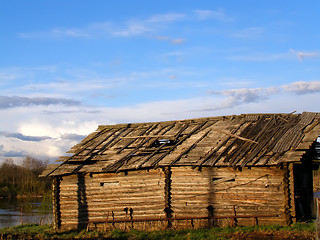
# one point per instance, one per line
(22, 197)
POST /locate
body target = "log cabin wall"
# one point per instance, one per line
(208, 192)
(225, 191)
(69, 211)
(136, 194)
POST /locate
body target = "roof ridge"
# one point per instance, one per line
(134, 124)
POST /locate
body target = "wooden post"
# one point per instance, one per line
(317, 221)
(292, 197)
(235, 220)
(131, 216)
(210, 210)
(113, 224)
(56, 203)
(255, 221)
(167, 195)
(286, 189)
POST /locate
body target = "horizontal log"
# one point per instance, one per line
(238, 176)
(128, 178)
(226, 205)
(224, 170)
(114, 199)
(222, 207)
(119, 190)
(266, 186)
(122, 202)
(114, 185)
(226, 180)
(116, 213)
(244, 191)
(120, 211)
(222, 202)
(105, 196)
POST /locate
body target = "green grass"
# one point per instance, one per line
(35, 231)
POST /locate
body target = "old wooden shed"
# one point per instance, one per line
(191, 173)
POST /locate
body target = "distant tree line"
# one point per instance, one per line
(23, 179)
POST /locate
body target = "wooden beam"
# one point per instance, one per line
(190, 147)
(155, 164)
(150, 136)
(167, 195)
(233, 135)
(286, 191)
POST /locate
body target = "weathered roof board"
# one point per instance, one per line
(234, 141)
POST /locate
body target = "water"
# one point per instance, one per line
(16, 212)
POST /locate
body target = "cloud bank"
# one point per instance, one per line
(17, 101)
(23, 137)
(50, 137)
(303, 87)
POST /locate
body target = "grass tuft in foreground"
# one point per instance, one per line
(301, 231)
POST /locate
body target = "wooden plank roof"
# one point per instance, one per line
(233, 141)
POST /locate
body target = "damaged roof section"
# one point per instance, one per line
(233, 141)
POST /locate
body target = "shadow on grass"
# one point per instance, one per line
(34, 231)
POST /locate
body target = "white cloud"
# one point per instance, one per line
(133, 29)
(130, 28)
(168, 17)
(242, 96)
(303, 87)
(73, 86)
(235, 82)
(209, 14)
(74, 33)
(246, 95)
(6, 76)
(19, 101)
(23, 137)
(56, 128)
(47, 149)
(26, 86)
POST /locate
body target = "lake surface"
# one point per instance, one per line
(16, 212)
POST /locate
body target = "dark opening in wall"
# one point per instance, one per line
(109, 184)
(223, 179)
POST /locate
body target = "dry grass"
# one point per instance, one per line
(297, 231)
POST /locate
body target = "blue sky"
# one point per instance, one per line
(68, 66)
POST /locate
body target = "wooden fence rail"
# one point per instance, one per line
(233, 217)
